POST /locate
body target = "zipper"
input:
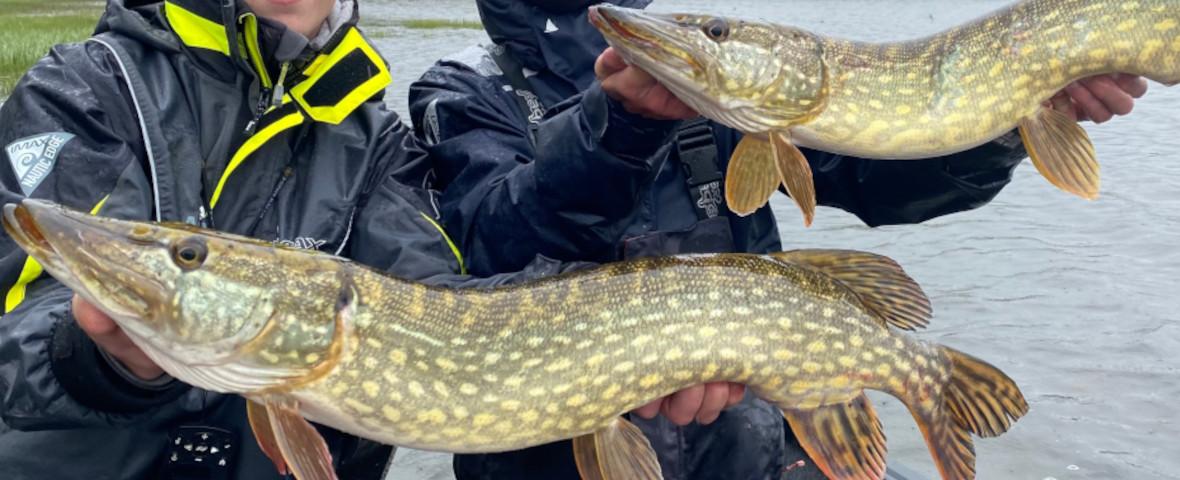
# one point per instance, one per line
(268, 99)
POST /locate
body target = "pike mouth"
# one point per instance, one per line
(641, 36)
(34, 226)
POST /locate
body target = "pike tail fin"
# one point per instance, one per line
(978, 399)
(1061, 150)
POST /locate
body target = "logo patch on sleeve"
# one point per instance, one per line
(33, 157)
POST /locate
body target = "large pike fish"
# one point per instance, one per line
(308, 335)
(786, 87)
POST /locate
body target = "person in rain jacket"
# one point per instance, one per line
(537, 151)
(257, 117)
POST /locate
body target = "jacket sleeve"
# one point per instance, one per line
(397, 229)
(568, 198)
(892, 192)
(64, 132)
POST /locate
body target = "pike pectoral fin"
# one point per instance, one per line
(751, 177)
(303, 449)
(1062, 152)
(795, 174)
(617, 452)
(876, 280)
(260, 424)
(845, 440)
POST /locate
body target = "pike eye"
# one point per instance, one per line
(189, 254)
(717, 29)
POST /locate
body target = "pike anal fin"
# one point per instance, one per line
(1061, 150)
(617, 452)
(845, 441)
(290, 441)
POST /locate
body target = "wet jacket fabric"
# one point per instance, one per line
(564, 171)
(196, 111)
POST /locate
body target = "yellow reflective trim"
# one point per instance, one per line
(251, 23)
(251, 145)
(335, 114)
(196, 31)
(454, 248)
(31, 271)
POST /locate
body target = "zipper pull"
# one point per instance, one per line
(259, 111)
(276, 99)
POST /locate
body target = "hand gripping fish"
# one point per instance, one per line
(309, 336)
(786, 87)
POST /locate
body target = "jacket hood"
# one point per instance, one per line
(565, 44)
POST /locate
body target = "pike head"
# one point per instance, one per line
(754, 77)
(203, 305)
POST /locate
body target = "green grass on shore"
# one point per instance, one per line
(31, 27)
(438, 23)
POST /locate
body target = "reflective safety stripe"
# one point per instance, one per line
(253, 144)
(31, 271)
(251, 24)
(352, 45)
(196, 31)
(454, 248)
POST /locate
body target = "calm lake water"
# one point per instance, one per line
(1075, 300)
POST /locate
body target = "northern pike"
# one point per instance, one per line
(310, 336)
(786, 87)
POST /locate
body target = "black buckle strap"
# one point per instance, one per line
(698, 157)
(529, 102)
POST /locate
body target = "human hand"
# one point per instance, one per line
(1099, 98)
(109, 337)
(638, 91)
(702, 403)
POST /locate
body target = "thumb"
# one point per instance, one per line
(609, 63)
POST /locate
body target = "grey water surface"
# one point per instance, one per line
(1075, 300)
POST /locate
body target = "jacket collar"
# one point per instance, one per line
(224, 37)
(563, 44)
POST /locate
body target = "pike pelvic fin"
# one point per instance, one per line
(845, 441)
(304, 450)
(878, 282)
(752, 176)
(978, 399)
(795, 174)
(260, 425)
(1061, 150)
(617, 452)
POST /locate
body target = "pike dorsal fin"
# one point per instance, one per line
(877, 281)
(617, 452)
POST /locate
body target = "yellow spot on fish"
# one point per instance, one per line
(707, 332)
(811, 367)
(901, 110)
(1165, 25)
(727, 353)
(576, 400)
(513, 381)
(624, 367)
(483, 420)
(876, 104)
(529, 416)
(673, 354)
(596, 359)
(537, 392)
(641, 340)
(398, 357)
(358, 406)
(1100, 54)
(371, 388)
(416, 388)
(650, 380)
(783, 355)
(751, 341)
(839, 381)
(391, 414)
(446, 364)
(312, 358)
(652, 358)
(560, 389)
(434, 416)
(817, 347)
(884, 370)
(510, 405)
(532, 362)
(996, 70)
(847, 362)
(559, 365)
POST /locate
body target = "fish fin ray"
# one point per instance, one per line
(877, 281)
(846, 441)
(265, 435)
(795, 174)
(751, 177)
(978, 399)
(1062, 152)
(617, 452)
(304, 450)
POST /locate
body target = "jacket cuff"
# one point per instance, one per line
(622, 133)
(990, 164)
(89, 376)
